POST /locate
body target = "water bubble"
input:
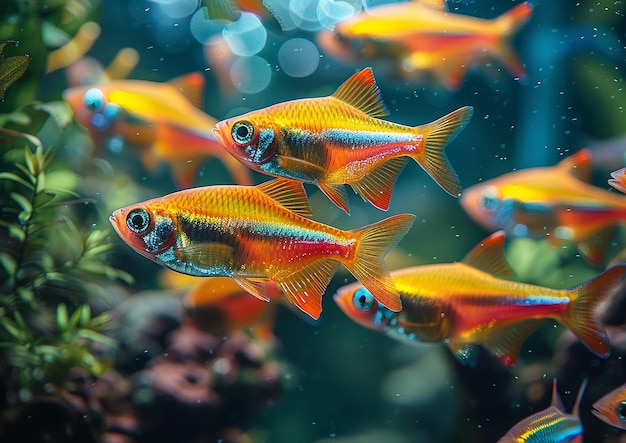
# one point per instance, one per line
(246, 36)
(298, 57)
(178, 8)
(250, 74)
(202, 28)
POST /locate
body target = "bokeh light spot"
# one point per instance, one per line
(250, 74)
(298, 57)
(246, 36)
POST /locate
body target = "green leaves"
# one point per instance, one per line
(11, 68)
(50, 268)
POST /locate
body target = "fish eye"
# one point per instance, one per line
(362, 299)
(490, 199)
(243, 132)
(94, 100)
(138, 220)
(620, 410)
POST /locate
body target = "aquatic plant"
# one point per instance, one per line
(50, 268)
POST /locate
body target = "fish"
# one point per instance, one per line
(256, 234)
(337, 140)
(552, 425)
(469, 303)
(555, 203)
(611, 408)
(220, 305)
(162, 120)
(421, 38)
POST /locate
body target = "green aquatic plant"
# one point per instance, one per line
(49, 271)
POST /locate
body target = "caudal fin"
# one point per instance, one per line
(506, 25)
(374, 241)
(433, 157)
(582, 317)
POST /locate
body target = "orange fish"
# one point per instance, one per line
(464, 304)
(552, 425)
(611, 408)
(256, 234)
(554, 203)
(162, 120)
(337, 140)
(220, 305)
(423, 37)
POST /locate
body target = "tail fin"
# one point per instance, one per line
(374, 241)
(582, 317)
(433, 158)
(506, 25)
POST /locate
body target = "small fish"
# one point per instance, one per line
(222, 306)
(552, 425)
(337, 140)
(611, 408)
(256, 234)
(422, 37)
(556, 203)
(465, 304)
(162, 120)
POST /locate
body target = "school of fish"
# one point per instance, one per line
(256, 245)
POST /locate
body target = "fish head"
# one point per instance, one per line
(611, 408)
(485, 203)
(360, 305)
(91, 108)
(251, 139)
(339, 46)
(148, 230)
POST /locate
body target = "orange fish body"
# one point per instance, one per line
(554, 203)
(255, 234)
(464, 304)
(611, 408)
(422, 37)
(159, 119)
(337, 140)
(552, 425)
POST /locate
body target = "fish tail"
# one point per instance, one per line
(433, 157)
(507, 25)
(368, 266)
(582, 316)
(513, 19)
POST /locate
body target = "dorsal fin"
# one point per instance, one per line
(361, 91)
(578, 165)
(556, 398)
(618, 180)
(576, 408)
(488, 256)
(289, 193)
(191, 86)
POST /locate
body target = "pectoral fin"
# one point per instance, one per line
(256, 287)
(304, 170)
(207, 256)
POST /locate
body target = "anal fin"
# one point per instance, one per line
(306, 286)
(377, 186)
(505, 342)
